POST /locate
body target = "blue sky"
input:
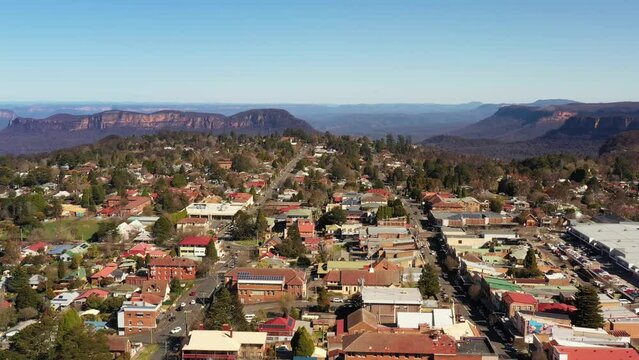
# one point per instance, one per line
(319, 51)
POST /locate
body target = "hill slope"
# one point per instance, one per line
(26, 135)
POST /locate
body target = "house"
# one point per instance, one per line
(136, 317)
(79, 249)
(36, 280)
(56, 251)
(386, 302)
(100, 293)
(349, 282)
(224, 344)
(306, 228)
(73, 211)
(172, 268)
(119, 347)
(142, 250)
(35, 249)
(77, 274)
(193, 224)
(135, 206)
(106, 273)
(242, 199)
(516, 301)
(64, 300)
(194, 247)
(361, 320)
(158, 287)
(279, 329)
(312, 244)
(255, 285)
(384, 345)
(585, 352)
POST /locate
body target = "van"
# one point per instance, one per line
(249, 317)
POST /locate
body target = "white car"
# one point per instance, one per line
(193, 301)
(337, 300)
(176, 330)
(183, 305)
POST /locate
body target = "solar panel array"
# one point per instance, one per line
(247, 276)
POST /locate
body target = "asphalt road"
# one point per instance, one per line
(192, 314)
(457, 294)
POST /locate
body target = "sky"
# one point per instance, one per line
(329, 52)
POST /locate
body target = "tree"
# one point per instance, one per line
(225, 309)
(179, 181)
(163, 229)
(336, 216)
(211, 251)
(579, 175)
(261, 225)
(36, 341)
(496, 204)
(69, 321)
(62, 270)
(428, 283)
(323, 301)
(302, 343)
(588, 313)
(27, 297)
(243, 226)
(303, 262)
(356, 301)
(175, 285)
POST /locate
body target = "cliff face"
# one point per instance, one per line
(25, 135)
(520, 123)
(267, 120)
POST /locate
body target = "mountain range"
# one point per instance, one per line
(519, 131)
(28, 135)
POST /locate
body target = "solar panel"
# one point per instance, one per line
(247, 276)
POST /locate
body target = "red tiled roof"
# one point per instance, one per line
(105, 271)
(98, 292)
(172, 262)
(196, 241)
(305, 226)
(282, 324)
(597, 353)
(398, 344)
(37, 246)
(241, 197)
(556, 307)
(522, 298)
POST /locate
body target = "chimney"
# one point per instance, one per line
(227, 327)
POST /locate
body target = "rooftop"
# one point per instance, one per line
(384, 295)
(216, 340)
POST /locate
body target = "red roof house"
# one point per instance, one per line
(306, 228)
(516, 301)
(278, 328)
(592, 353)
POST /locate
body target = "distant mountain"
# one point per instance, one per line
(520, 123)
(27, 135)
(5, 117)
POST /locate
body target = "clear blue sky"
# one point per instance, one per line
(319, 51)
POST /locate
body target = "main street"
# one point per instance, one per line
(202, 289)
(448, 290)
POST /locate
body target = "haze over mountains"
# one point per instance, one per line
(27, 135)
(495, 130)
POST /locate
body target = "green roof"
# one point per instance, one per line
(501, 284)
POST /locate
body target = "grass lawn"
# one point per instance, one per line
(76, 228)
(147, 352)
(247, 242)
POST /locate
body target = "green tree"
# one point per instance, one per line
(69, 320)
(243, 226)
(163, 229)
(336, 216)
(87, 198)
(36, 341)
(27, 297)
(261, 225)
(175, 285)
(226, 309)
(62, 270)
(211, 251)
(19, 280)
(323, 301)
(588, 313)
(428, 283)
(496, 204)
(179, 180)
(302, 343)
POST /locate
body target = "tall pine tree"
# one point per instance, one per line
(588, 313)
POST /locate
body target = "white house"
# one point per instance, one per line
(64, 300)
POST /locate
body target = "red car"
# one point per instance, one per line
(192, 293)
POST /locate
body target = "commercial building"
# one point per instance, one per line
(194, 247)
(213, 211)
(385, 302)
(225, 345)
(619, 241)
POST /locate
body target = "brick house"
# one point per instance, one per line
(169, 268)
(194, 247)
(350, 281)
(266, 285)
(385, 302)
(306, 228)
(514, 302)
(278, 329)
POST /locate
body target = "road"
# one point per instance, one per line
(448, 290)
(192, 314)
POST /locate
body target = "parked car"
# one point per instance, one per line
(176, 330)
(183, 305)
(193, 301)
(337, 300)
(249, 317)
